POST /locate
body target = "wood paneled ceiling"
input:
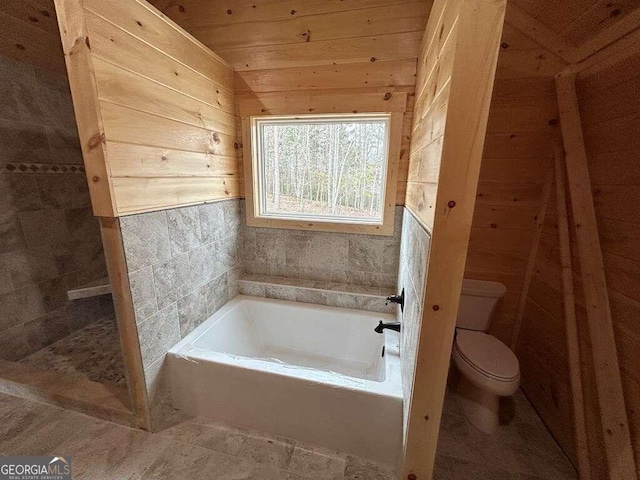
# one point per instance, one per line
(577, 20)
(263, 35)
(29, 33)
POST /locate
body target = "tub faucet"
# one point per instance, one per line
(399, 299)
(395, 326)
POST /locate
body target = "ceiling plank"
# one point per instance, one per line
(617, 51)
(542, 34)
(606, 37)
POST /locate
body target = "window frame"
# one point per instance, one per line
(259, 184)
(289, 109)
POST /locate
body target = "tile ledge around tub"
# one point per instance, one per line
(317, 292)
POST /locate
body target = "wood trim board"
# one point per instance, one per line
(617, 439)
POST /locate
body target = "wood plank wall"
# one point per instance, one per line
(163, 109)
(456, 73)
(516, 157)
(609, 107)
(610, 110)
(275, 59)
(29, 33)
(293, 48)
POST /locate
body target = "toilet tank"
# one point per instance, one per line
(477, 302)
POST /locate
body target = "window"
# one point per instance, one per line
(321, 169)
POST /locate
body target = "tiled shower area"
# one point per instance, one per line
(50, 244)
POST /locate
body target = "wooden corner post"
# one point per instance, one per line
(571, 326)
(617, 440)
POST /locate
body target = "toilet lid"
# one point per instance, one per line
(487, 354)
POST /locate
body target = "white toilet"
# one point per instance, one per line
(488, 368)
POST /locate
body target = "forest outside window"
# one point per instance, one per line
(320, 170)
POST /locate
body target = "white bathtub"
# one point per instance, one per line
(313, 373)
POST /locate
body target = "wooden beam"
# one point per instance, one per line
(542, 34)
(571, 327)
(612, 34)
(617, 440)
(84, 91)
(125, 317)
(531, 261)
(616, 52)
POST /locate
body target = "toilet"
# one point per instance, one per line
(488, 368)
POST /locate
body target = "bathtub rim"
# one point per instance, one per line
(391, 386)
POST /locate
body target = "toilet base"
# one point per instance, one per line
(479, 406)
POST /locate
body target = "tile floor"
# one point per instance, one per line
(522, 450)
(92, 353)
(198, 449)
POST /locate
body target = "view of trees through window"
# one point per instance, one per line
(332, 168)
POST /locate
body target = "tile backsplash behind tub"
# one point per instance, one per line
(354, 259)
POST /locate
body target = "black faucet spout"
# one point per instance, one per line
(395, 326)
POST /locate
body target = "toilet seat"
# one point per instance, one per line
(487, 355)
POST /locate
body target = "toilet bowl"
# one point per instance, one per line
(488, 368)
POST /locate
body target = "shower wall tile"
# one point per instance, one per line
(158, 334)
(14, 343)
(143, 293)
(63, 191)
(19, 193)
(192, 309)
(189, 265)
(146, 239)
(25, 142)
(64, 145)
(19, 306)
(5, 278)
(369, 260)
(414, 254)
(220, 292)
(47, 329)
(185, 233)
(48, 228)
(31, 266)
(53, 292)
(78, 224)
(11, 236)
(212, 222)
(172, 279)
(49, 240)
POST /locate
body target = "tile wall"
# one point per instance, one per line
(366, 260)
(183, 265)
(414, 256)
(49, 240)
(372, 299)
